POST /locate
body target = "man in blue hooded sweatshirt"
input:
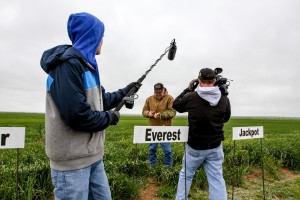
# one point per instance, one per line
(78, 109)
(208, 109)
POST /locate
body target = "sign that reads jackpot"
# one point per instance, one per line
(12, 137)
(159, 134)
(241, 133)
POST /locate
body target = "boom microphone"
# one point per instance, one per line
(172, 51)
(128, 100)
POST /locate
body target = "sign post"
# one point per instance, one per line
(160, 134)
(13, 138)
(244, 133)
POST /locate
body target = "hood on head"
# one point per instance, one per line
(86, 32)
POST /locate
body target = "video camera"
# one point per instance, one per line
(221, 82)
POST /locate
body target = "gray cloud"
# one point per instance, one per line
(257, 43)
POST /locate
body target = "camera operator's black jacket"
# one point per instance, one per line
(205, 121)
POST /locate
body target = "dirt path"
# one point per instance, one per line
(290, 174)
(252, 184)
(149, 192)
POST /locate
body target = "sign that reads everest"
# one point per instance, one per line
(159, 134)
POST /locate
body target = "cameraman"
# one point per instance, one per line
(208, 109)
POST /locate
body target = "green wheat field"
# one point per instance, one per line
(129, 173)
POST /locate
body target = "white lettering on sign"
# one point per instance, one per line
(11, 137)
(159, 134)
(241, 133)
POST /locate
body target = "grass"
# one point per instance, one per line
(128, 170)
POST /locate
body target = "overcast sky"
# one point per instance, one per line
(256, 42)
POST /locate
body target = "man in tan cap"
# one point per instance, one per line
(158, 108)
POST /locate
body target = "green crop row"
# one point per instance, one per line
(126, 163)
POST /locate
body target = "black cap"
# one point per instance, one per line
(158, 87)
(206, 74)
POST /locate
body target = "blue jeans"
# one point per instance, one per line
(212, 160)
(167, 153)
(87, 183)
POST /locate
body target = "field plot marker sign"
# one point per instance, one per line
(159, 134)
(242, 133)
(252, 132)
(12, 137)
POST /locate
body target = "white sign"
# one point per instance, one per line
(11, 137)
(159, 134)
(241, 133)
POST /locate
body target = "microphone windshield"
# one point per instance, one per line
(172, 51)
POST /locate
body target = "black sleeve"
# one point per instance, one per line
(179, 103)
(112, 99)
(228, 111)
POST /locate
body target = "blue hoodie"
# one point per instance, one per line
(76, 103)
(86, 32)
